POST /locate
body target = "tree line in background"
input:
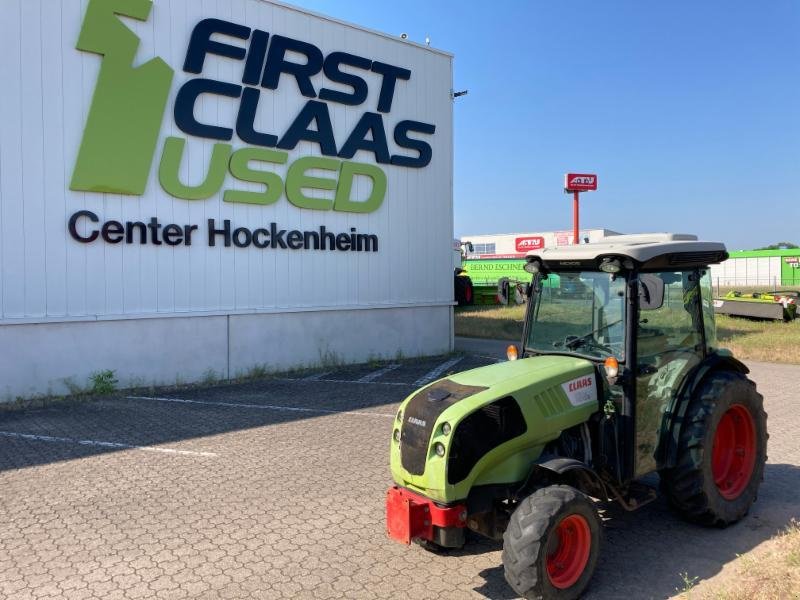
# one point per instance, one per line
(780, 246)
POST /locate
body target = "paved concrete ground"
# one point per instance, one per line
(275, 489)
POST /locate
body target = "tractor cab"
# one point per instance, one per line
(638, 306)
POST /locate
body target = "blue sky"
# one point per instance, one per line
(688, 111)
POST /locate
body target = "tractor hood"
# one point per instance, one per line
(536, 370)
(487, 425)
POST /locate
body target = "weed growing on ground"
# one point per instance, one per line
(688, 583)
(329, 358)
(103, 382)
(257, 372)
(210, 377)
(793, 548)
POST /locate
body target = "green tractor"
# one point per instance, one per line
(619, 376)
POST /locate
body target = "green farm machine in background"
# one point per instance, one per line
(490, 281)
(497, 280)
(777, 305)
(619, 376)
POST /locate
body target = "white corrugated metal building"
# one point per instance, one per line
(226, 97)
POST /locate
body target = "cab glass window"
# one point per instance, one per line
(581, 312)
(674, 323)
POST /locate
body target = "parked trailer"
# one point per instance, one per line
(776, 305)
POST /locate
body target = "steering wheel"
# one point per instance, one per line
(573, 342)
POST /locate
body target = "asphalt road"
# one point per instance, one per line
(275, 489)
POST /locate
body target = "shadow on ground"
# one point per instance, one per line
(141, 419)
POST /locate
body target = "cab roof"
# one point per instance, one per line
(644, 250)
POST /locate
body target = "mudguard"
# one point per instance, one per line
(672, 424)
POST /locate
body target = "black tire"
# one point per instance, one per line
(532, 535)
(469, 292)
(502, 291)
(464, 293)
(690, 486)
(458, 290)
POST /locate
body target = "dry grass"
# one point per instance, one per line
(493, 322)
(770, 571)
(769, 341)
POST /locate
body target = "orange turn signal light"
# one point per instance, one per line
(511, 352)
(612, 367)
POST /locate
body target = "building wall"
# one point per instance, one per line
(758, 268)
(59, 358)
(67, 296)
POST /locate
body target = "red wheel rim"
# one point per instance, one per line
(568, 551)
(733, 457)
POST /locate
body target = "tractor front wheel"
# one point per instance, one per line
(721, 452)
(551, 544)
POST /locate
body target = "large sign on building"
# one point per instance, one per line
(179, 158)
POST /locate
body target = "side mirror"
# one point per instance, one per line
(651, 291)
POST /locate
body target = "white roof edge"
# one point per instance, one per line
(649, 237)
(612, 232)
(640, 247)
(358, 27)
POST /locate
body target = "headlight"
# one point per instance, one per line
(396, 435)
(438, 447)
(446, 428)
(610, 265)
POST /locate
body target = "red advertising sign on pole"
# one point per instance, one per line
(526, 244)
(577, 183)
(580, 182)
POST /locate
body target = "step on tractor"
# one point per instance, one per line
(618, 376)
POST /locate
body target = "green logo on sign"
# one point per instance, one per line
(124, 122)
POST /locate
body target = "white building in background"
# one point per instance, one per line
(515, 245)
(758, 271)
(190, 188)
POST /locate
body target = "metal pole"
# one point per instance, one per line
(575, 225)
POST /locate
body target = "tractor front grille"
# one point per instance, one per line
(419, 419)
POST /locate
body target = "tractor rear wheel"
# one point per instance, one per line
(551, 545)
(464, 291)
(721, 452)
